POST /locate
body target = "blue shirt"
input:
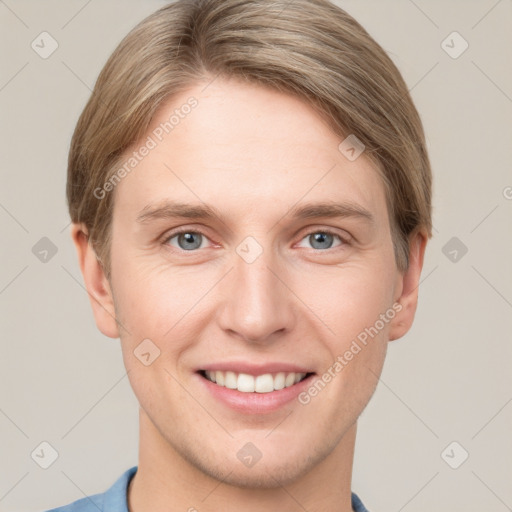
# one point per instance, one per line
(115, 499)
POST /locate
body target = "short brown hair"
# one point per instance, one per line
(309, 48)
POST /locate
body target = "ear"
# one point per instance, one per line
(96, 283)
(407, 287)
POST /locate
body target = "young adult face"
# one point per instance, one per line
(254, 289)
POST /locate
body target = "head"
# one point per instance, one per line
(246, 125)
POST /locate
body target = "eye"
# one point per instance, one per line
(189, 240)
(186, 240)
(323, 239)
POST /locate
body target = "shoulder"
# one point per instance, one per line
(357, 504)
(112, 500)
(87, 504)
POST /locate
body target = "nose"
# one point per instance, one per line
(257, 305)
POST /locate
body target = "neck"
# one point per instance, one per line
(166, 482)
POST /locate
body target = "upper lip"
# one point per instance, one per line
(255, 369)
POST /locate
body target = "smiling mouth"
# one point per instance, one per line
(266, 383)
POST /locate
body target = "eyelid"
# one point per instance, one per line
(178, 231)
(345, 238)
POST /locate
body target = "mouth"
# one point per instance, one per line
(246, 383)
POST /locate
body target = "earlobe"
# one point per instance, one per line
(408, 284)
(96, 283)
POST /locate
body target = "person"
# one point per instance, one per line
(250, 196)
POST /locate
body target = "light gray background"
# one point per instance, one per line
(447, 380)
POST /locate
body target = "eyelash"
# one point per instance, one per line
(179, 231)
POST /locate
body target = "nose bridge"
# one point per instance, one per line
(257, 304)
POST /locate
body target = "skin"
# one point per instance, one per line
(252, 153)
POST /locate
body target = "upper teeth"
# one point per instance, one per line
(265, 383)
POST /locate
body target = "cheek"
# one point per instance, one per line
(154, 300)
(159, 320)
(347, 300)
(355, 342)
(163, 312)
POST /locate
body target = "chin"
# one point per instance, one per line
(271, 471)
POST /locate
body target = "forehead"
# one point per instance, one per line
(244, 148)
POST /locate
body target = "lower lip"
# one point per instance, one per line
(255, 403)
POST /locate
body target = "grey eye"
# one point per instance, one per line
(321, 240)
(188, 241)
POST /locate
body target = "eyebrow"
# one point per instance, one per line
(171, 209)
